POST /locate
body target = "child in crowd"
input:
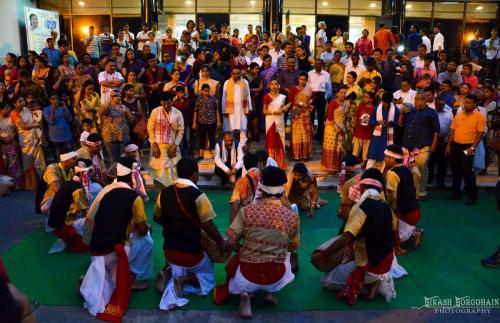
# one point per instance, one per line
(362, 129)
(206, 119)
(182, 102)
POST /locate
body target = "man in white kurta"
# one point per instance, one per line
(165, 128)
(236, 104)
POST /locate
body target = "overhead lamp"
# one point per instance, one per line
(252, 2)
(324, 4)
(479, 8)
(189, 2)
(409, 6)
(373, 5)
(81, 3)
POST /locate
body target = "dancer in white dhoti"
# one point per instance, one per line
(165, 128)
(236, 104)
(183, 210)
(120, 245)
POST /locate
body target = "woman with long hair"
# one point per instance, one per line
(169, 43)
(41, 71)
(205, 79)
(274, 107)
(133, 64)
(334, 136)
(301, 130)
(88, 104)
(33, 159)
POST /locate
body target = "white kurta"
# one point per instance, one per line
(238, 119)
(277, 119)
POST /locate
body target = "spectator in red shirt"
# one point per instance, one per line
(155, 76)
(362, 129)
(364, 45)
(383, 39)
(469, 77)
(183, 103)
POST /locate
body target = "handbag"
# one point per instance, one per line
(208, 244)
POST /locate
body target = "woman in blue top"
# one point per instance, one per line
(58, 118)
(384, 118)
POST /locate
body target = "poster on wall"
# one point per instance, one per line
(39, 25)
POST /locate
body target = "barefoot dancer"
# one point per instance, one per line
(369, 226)
(183, 210)
(401, 196)
(269, 232)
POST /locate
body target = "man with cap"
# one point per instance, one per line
(402, 197)
(165, 128)
(246, 186)
(71, 201)
(369, 227)
(121, 247)
(183, 210)
(56, 174)
(301, 188)
(92, 150)
(269, 231)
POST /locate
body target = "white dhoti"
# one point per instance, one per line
(100, 280)
(163, 169)
(205, 273)
(336, 279)
(405, 230)
(240, 284)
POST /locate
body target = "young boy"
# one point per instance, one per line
(362, 128)
(446, 92)
(182, 103)
(206, 119)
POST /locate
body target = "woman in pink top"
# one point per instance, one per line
(364, 45)
(468, 77)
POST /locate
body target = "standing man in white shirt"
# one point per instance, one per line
(142, 36)
(276, 52)
(354, 66)
(129, 37)
(425, 40)
(92, 46)
(418, 61)
(492, 46)
(438, 44)
(264, 50)
(320, 38)
(109, 80)
(405, 94)
(321, 86)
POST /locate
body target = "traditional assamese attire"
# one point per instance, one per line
(33, 158)
(275, 130)
(97, 160)
(165, 129)
(117, 250)
(245, 188)
(301, 129)
(269, 231)
(334, 136)
(55, 173)
(382, 136)
(370, 222)
(225, 159)
(67, 212)
(182, 234)
(400, 180)
(10, 152)
(303, 192)
(236, 105)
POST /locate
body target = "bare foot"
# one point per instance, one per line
(162, 278)
(372, 290)
(140, 284)
(416, 239)
(178, 287)
(245, 306)
(270, 299)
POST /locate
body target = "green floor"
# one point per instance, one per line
(446, 265)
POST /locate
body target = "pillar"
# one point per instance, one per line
(277, 13)
(149, 11)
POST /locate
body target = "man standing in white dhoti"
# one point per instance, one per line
(183, 210)
(270, 231)
(236, 104)
(165, 128)
(120, 245)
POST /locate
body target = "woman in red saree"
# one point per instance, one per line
(274, 107)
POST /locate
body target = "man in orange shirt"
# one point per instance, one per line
(466, 132)
(383, 39)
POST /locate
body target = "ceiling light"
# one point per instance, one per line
(409, 6)
(81, 3)
(189, 2)
(324, 3)
(479, 8)
(252, 2)
(373, 5)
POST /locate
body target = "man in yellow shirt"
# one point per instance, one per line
(466, 132)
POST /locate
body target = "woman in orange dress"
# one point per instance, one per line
(334, 137)
(301, 128)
